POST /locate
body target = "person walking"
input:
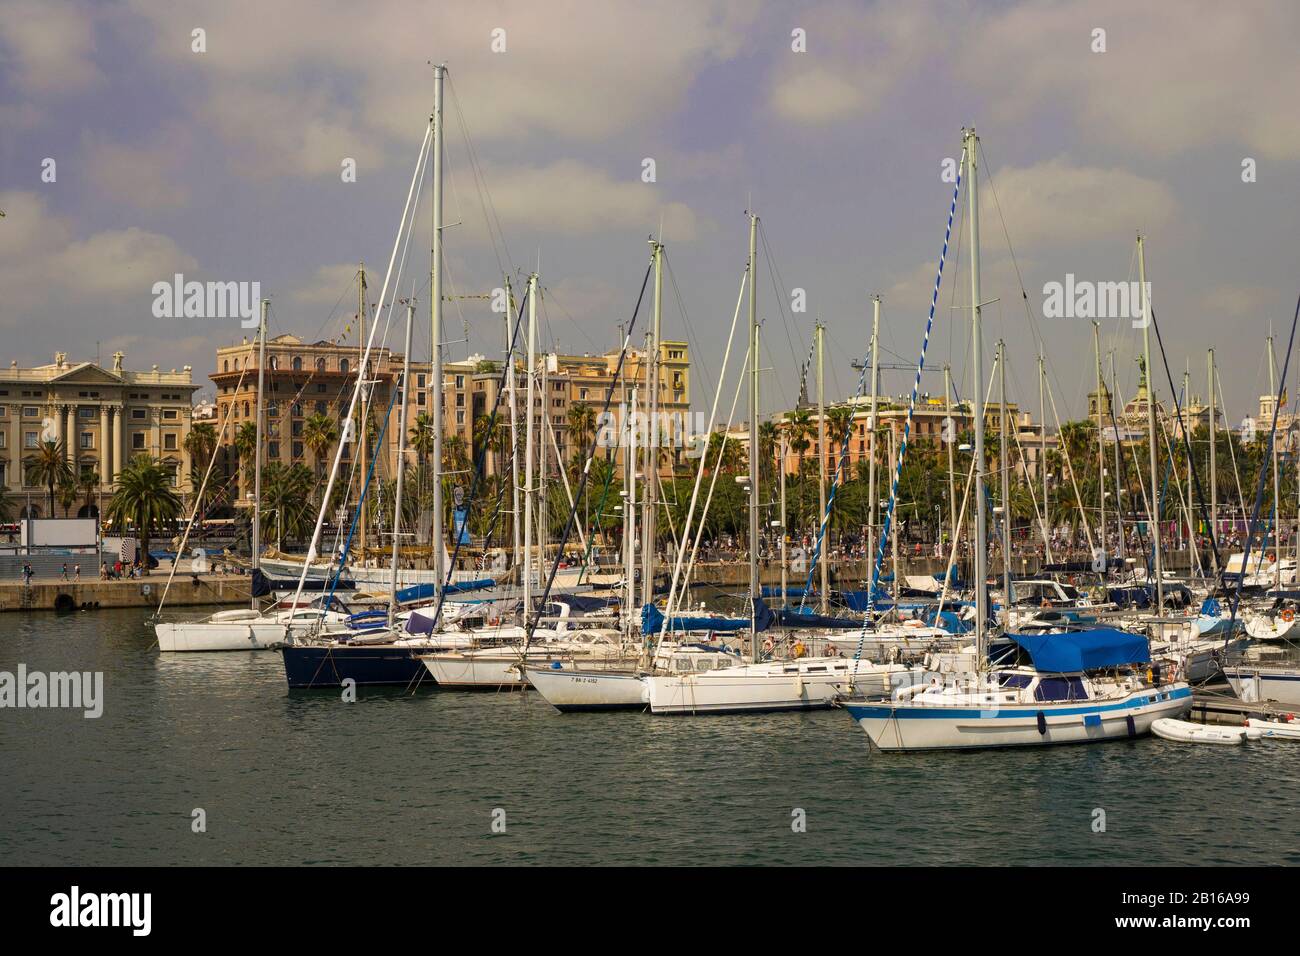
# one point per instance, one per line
(27, 574)
(65, 570)
(76, 572)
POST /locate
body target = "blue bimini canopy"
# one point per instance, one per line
(652, 620)
(1084, 650)
(425, 592)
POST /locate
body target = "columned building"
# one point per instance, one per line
(102, 417)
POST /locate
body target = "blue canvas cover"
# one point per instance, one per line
(426, 592)
(1084, 650)
(652, 620)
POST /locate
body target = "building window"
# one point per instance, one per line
(460, 418)
(31, 411)
(169, 413)
(297, 363)
(297, 449)
(87, 440)
(29, 440)
(274, 363)
(138, 414)
(86, 412)
(169, 441)
(419, 380)
(343, 366)
(137, 441)
(460, 381)
(320, 408)
(460, 400)
(419, 398)
(320, 366)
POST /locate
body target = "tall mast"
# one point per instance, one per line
(784, 574)
(1101, 448)
(977, 397)
(1214, 488)
(438, 538)
(1004, 457)
(629, 516)
(365, 405)
(1272, 390)
(893, 525)
(952, 484)
(543, 467)
(529, 417)
(651, 456)
(1151, 423)
(872, 425)
(1042, 453)
(257, 445)
(754, 364)
(401, 461)
(1119, 509)
(514, 440)
(821, 464)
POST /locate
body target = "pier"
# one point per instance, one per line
(45, 594)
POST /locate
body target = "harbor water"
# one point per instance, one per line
(218, 745)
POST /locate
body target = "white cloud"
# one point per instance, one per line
(1056, 202)
(144, 176)
(49, 47)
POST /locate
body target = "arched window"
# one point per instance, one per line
(320, 365)
(225, 366)
(297, 363)
(275, 363)
(236, 365)
(343, 366)
(245, 409)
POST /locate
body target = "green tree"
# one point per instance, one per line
(143, 499)
(50, 468)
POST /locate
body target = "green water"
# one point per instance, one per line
(305, 778)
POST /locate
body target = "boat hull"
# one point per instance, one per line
(205, 636)
(588, 690)
(319, 666)
(1253, 684)
(742, 689)
(914, 726)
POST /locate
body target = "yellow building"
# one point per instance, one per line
(102, 416)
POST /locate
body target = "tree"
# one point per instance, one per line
(581, 419)
(49, 468)
(88, 484)
(245, 446)
(319, 433)
(286, 491)
(201, 442)
(144, 498)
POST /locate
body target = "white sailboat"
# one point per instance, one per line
(1082, 686)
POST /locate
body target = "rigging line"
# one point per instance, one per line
(485, 193)
(1235, 600)
(686, 320)
(506, 368)
(1191, 463)
(907, 425)
(1236, 474)
(530, 618)
(775, 275)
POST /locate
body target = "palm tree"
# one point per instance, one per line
(286, 490)
(201, 441)
(49, 468)
(88, 484)
(7, 504)
(144, 498)
(421, 442)
(581, 419)
(245, 445)
(319, 432)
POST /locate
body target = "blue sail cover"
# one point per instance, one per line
(425, 592)
(652, 620)
(788, 617)
(1084, 650)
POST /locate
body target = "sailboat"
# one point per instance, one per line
(1078, 686)
(248, 628)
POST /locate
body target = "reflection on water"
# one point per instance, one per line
(410, 779)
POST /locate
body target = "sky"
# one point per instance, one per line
(834, 121)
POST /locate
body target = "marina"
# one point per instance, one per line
(718, 436)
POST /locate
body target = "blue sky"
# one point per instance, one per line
(226, 165)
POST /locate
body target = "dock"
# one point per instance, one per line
(44, 594)
(1218, 705)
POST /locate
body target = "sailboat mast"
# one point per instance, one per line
(1101, 447)
(784, 575)
(952, 484)
(629, 514)
(514, 440)
(1151, 424)
(543, 472)
(529, 417)
(754, 364)
(822, 560)
(651, 456)
(436, 536)
(365, 406)
(872, 492)
(977, 398)
(257, 445)
(401, 461)
(1042, 454)
(1119, 510)
(1277, 541)
(1004, 457)
(1214, 488)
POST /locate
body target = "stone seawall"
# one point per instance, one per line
(47, 595)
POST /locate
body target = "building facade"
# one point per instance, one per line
(102, 417)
